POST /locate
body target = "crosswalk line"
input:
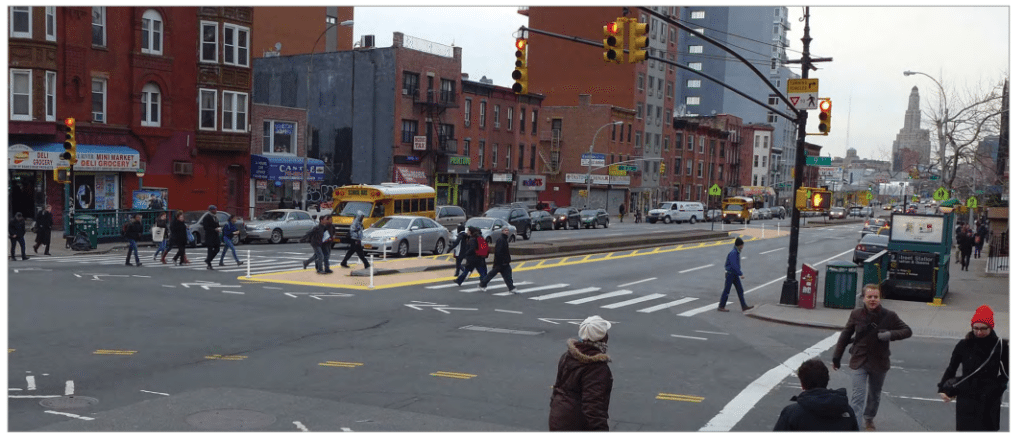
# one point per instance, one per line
(599, 297)
(567, 293)
(696, 311)
(667, 305)
(540, 288)
(477, 290)
(437, 287)
(633, 301)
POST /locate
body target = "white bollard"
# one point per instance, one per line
(248, 263)
(762, 230)
(371, 271)
(419, 251)
(384, 250)
(777, 229)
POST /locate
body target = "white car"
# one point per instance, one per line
(403, 235)
(490, 228)
(279, 225)
(677, 212)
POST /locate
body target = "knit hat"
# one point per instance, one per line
(212, 207)
(984, 315)
(739, 242)
(594, 328)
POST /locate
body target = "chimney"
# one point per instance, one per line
(584, 100)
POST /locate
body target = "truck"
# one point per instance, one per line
(737, 209)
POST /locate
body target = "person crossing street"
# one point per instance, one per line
(133, 233)
(733, 274)
(502, 263)
(44, 227)
(230, 230)
(211, 229)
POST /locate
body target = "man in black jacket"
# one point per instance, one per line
(211, 232)
(502, 263)
(44, 226)
(817, 408)
(16, 230)
(133, 234)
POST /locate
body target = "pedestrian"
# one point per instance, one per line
(230, 231)
(733, 274)
(583, 385)
(979, 241)
(161, 225)
(179, 239)
(44, 227)
(458, 248)
(817, 408)
(869, 330)
(133, 232)
(474, 259)
(16, 230)
(211, 232)
(314, 236)
(622, 211)
(327, 241)
(985, 362)
(637, 216)
(502, 263)
(966, 246)
(355, 236)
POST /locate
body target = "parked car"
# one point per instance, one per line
(491, 227)
(868, 212)
(450, 216)
(871, 225)
(714, 215)
(566, 217)
(764, 213)
(403, 235)
(778, 212)
(594, 217)
(869, 246)
(515, 216)
(194, 223)
(677, 212)
(542, 220)
(837, 212)
(279, 225)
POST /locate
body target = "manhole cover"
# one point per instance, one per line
(68, 402)
(230, 419)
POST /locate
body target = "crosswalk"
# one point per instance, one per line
(282, 261)
(558, 291)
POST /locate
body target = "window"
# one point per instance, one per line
(21, 94)
(99, 100)
(446, 132)
(447, 90)
(696, 49)
(208, 51)
(668, 117)
(494, 156)
(679, 140)
(693, 100)
(640, 81)
(647, 141)
(410, 83)
(754, 181)
(696, 15)
(510, 118)
(700, 169)
(639, 111)
(772, 117)
(99, 26)
(51, 96)
(660, 83)
(657, 112)
(774, 100)
(497, 116)
(693, 83)
(150, 105)
(711, 148)
(689, 167)
(207, 109)
(522, 155)
(689, 143)
(755, 161)
(533, 124)
(695, 66)
(465, 148)
(650, 111)
(469, 111)
(51, 23)
(236, 45)
(279, 137)
(410, 129)
(21, 22)
(650, 86)
(668, 90)
(235, 111)
(701, 150)
(678, 167)
(152, 32)
(636, 139)
(522, 121)
(664, 144)
(533, 157)
(483, 114)
(721, 172)
(483, 147)
(508, 157)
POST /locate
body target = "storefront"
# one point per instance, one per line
(606, 191)
(456, 185)
(528, 188)
(279, 178)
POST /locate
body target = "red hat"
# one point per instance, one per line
(984, 315)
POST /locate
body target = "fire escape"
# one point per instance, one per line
(441, 143)
(552, 159)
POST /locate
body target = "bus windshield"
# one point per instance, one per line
(733, 207)
(349, 208)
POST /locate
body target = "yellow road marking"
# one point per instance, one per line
(340, 364)
(462, 376)
(226, 357)
(10, 350)
(683, 398)
(113, 352)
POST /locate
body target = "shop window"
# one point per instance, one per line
(279, 137)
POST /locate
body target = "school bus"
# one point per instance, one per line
(377, 201)
(737, 209)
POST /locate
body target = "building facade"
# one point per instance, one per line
(298, 30)
(913, 145)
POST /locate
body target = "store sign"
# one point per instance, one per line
(597, 179)
(532, 182)
(23, 157)
(501, 178)
(419, 143)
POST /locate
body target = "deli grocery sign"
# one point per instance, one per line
(24, 157)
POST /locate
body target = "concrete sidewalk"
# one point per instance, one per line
(58, 248)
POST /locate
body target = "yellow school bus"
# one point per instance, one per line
(377, 201)
(737, 209)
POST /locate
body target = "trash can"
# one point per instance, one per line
(89, 225)
(840, 285)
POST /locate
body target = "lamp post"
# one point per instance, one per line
(590, 159)
(309, 137)
(939, 124)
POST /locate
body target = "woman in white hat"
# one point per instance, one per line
(583, 387)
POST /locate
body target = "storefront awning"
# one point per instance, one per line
(46, 157)
(281, 168)
(751, 191)
(411, 174)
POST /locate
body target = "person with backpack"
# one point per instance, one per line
(459, 245)
(355, 245)
(230, 230)
(133, 232)
(161, 224)
(502, 263)
(476, 256)
(313, 237)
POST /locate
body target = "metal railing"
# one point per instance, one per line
(109, 221)
(999, 254)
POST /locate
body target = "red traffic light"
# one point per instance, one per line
(69, 122)
(825, 105)
(612, 27)
(520, 43)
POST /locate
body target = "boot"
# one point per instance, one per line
(869, 425)
(163, 258)
(35, 248)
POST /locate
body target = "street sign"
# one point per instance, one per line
(818, 161)
(714, 190)
(941, 194)
(972, 203)
(934, 177)
(592, 159)
(869, 196)
(419, 143)
(803, 93)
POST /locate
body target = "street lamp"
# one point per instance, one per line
(590, 159)
(940, 124)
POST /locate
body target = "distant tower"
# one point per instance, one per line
(912, 145)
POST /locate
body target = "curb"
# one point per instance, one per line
(788, 322)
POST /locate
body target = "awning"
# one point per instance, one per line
(750, 191)
(411, 174)
(282, 168)
(46, 157)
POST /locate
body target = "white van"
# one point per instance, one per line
(677, 211)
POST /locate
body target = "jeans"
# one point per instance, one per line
(506, 275)
(133, 247)
(229, 245)
(326, 249)
(211, 252)
(730, 280)
(459, 267)
(162, 249)
(318, 257)
(480, 265)
(21, 240)
(871, 382)
(356, 247)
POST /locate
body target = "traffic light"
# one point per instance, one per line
(662, 169)
(519, 74)
(60, 175)
(825, 116)
(638, 42)
(69, 141)
(614, 41)
(821, 200)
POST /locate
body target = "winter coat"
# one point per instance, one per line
(329, 241)
(179, 233)
(732, 262)
(966, 242)
(210, 224)
(134, 231)
(979, 397)
(229, 230)
(501, 254)
(315, 235)
(471, 246)
(44, 221)
(818, 409)
(582, 390)
(16, 228)
(461, 242)
(355, 231)
(861, 332)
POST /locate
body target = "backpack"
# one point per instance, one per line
(481, 247)
(124, 228)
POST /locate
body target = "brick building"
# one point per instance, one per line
(300, 30)
(277, 149)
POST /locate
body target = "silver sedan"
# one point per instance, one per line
(405, 234)
(490, 228)
(279, 225)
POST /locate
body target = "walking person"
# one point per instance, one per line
(583, 386)
(502, 263)
(459, 248)
(230, 231)
(985, 362)
(315, 236)
(817, 408)
(966, 246)
(16, 231)
(622, 211)
(134, 234)
(476, 256)
(327, 241)
(869, 330)
(179, 239)
(44, 227)
(211, 230)
(733, 274)
(979, 240)
(355, 236)
(161, 224)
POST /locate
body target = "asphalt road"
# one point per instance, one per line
(157, 348)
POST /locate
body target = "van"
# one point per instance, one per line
(677, 212)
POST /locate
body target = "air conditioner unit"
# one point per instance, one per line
(405, 91)
(366, 41)
(183, 168)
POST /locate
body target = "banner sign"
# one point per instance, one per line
(532, 182)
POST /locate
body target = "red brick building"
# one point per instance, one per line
(278, 143)
(297, 28)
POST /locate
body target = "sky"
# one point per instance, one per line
(962, 47)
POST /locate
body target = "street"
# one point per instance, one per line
(163, 348)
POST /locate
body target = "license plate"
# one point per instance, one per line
(367, 246)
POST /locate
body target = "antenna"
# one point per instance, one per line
(849, 112)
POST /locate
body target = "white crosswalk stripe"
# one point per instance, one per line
(259, 264)
(667, 305)
(696, 311)
(633, 301)
(567, 293)
(600, 296)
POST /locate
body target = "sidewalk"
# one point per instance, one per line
(57, 247)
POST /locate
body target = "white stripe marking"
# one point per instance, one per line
(687, 336)
(31, 380)
(763, 285)
(769, 251)
(273, 288)
(437, 287)
(346, 429)
(540, 288)
(511, 312)
(829, 259)
(232, 292)
(668, 305)
(567, 293)
(600, 296)
(734, 411)
(696, 311)
(632, 301)
(300, 426)
(33, 396)
(69, 388)
(639, 281)
(158, 393)
(169, 286)
(70, 415)
(698, 268)
(12, 389)
(711, 332)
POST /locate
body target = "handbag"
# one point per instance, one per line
(158, 233)
(949, 387)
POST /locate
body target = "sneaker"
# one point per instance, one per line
(328, 271)
(138, 264)
(343, 265)
(221, 264)
(305, 265)
(747, 308)
(869, 425)
(723, 310)
(128, 264)
(239, 262)
(456, 282)
(513, 291)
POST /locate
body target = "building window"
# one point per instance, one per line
(701, 147)
(660, 83)
(696, 49)
(696, 15)
(497, 116)
(21, 22)
(650, 111)
(677, 168)
(469, 111)
(755, 161)
(774, 100)
(639, 111)
(636, 139)
(693, 100)
(207, 109)
(772, 117)
(99, 26)
(279, 137)
(689, 167)
(721, 172)
(533, 123)
(510, 118)
(533, 157)
(410, 128)
(99, 100)
(21, 94)
(236, 45)
(508, 157)
(447, 90)
(494, 156)
(465, 147)
(483, 148)
(668, 117)
(235, 111)
(51, 23)
(695, 66)
(410, 83)
(647, 141)
(445, 133)
(650, 85)
(668, 90)
(152, 32)
(657, 112)
(208, 52)
(522, 121)
(689, 143)
(522, 154)
(664, 144)
(150, 105)
(693, 83)
(640, 81)
(483, 114)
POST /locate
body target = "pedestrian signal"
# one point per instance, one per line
(61, 175)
